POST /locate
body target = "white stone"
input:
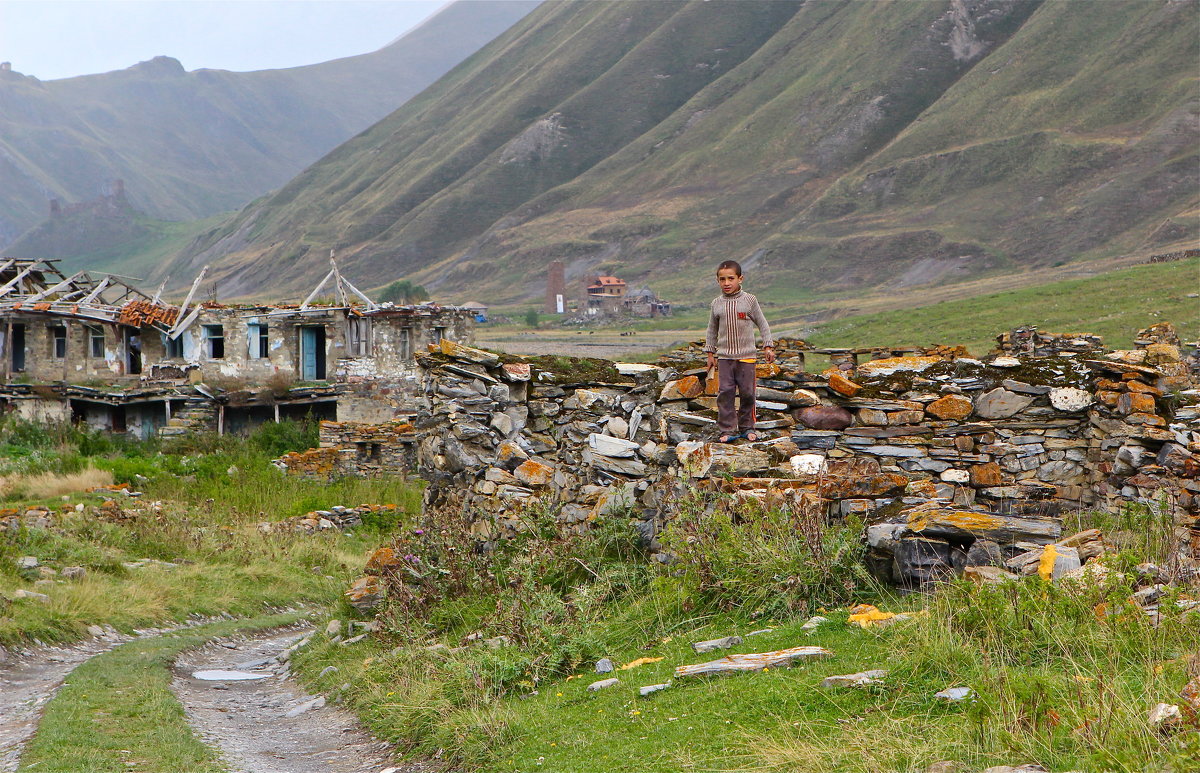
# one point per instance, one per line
(813, 623)
(1000, 403)
(884, 534)
(617, 427)
(716, 644)
(1164, 712)
(650, 689)
(955, 476)
(1070, 399)
(600, 685)
(315, 703)
(221, 675)
(861, 679)
(807, 464)
(612, 447)
(1005, 362)
(634, 368)
(954, 693)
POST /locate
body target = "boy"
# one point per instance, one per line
(730, 342)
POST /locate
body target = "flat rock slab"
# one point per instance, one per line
(752, 661)
(221, 675)
(861, 679)
(716, 644)
(272, 725)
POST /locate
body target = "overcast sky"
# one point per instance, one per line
(63, 38)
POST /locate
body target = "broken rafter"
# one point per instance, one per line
(182, 322)
(371, 305)
(317, 289)
(99, 288)
(69, 282)
(10, 284)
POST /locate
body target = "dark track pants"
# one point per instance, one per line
(735, 379)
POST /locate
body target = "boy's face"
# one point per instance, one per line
(729, 280)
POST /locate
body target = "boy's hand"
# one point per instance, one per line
(769, 351)
(712, 360)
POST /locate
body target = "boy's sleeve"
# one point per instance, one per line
(710, 337)
(764, 329)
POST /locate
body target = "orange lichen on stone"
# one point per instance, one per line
(962, 519)
(842, 385)
(867, 615)
(889, 365)
(1045, 568)
(383, 558)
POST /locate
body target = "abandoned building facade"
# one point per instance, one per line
(96, 349)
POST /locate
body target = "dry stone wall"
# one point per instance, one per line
(350, 448)
(936, 452)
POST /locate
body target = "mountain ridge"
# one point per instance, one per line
(832, 146)
(192, 143)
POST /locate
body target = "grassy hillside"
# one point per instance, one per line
(191, 144)
(1114, 305)
(832, 146)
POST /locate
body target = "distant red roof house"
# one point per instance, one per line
(608, 286)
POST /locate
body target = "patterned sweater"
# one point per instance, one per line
(731, 323)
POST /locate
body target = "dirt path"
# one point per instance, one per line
(29, 679)
(248, 720)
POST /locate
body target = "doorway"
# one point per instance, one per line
(133, 352)
(312, 353)
(18, 348)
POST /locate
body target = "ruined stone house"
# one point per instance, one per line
(96, 349)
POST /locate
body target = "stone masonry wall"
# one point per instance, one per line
(936, 451)
(349, 448)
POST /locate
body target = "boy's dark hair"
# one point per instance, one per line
(737, 267)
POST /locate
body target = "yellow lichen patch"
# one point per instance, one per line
(890, 365)
(866, 615)
(1046, 562)
(962, 519)
(638, 662)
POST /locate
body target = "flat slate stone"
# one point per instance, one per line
(221, 675)
(752, 661)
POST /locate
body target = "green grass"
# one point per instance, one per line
(1055, 681)
(1114, 305)
(201, 509)
(116, 711)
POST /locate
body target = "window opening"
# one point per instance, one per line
(95, 341)
(214, 342)
(173, 347)
(260, 341)
(58, 342)
(359, 334)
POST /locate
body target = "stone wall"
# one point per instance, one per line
(940, 449)
(351, 448)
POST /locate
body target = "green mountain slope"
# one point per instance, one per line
(190, 144)
(830, 145)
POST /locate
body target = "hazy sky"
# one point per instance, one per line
(62, 38)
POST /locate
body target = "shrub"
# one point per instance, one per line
(277, 438)
(766, 561)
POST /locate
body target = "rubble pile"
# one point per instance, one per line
(1029, 340)
(337, 517)
(13, 519)
(937, 452)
